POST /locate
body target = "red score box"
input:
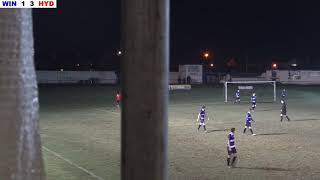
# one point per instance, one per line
(48, 4)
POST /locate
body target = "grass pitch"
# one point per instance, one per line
(80, 131)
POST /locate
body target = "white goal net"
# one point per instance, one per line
(265, 90)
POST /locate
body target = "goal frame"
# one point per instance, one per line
(250, 82)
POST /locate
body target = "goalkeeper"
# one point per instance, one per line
(283, 94)
(284, 111)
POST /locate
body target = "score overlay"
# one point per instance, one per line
(28, 3)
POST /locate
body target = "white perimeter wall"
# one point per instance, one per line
(105, 77)
(173, 77)
(194, 71)
(296, 76)
(55, 77)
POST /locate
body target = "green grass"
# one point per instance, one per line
(80, 130)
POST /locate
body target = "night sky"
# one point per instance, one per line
(258, 32)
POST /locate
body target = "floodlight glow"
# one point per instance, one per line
(294, 65)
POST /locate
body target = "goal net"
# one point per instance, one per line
(265, 90)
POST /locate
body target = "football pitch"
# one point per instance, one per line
(80, 131)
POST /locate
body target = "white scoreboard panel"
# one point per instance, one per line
(28, 3)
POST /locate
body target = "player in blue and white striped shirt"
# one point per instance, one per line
(253, 101)
(231, 149)
(201, 118)
(237, 96)
(248, 123)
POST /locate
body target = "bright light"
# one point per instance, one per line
(294, 65)
(78, 65)
(119, 53)
(61, 69)
(211, 65)
(274, 65)
(206, 55)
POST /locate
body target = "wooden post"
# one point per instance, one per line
(144, 68)
(20, 149)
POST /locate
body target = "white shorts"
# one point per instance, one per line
(202, 124)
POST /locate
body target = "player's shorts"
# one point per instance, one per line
(233, 151)
(202, 124)
(283, 114)
(248, 126)
(118, 101)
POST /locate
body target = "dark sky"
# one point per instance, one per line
(89, 33)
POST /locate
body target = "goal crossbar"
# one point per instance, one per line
(249, 82)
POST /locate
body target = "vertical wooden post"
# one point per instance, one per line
(144, 68)
(20, 148)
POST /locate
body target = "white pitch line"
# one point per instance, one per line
(105, 110)
(73, 164)
(197, 104)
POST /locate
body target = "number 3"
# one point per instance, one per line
(31, 3)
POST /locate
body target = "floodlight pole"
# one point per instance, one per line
(144, 68)
(20, 147)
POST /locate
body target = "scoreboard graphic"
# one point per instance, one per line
(28, 4)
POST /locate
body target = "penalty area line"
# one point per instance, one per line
(73, 164)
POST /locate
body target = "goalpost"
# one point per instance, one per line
(265, 90)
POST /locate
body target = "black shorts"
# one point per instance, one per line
(233, 151)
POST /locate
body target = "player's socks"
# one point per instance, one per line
(228, 161)
(244, 130)
(204, 127)
(251, 131)
(288, 118)
(281, 118)
(199, 127)
(233, 161)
